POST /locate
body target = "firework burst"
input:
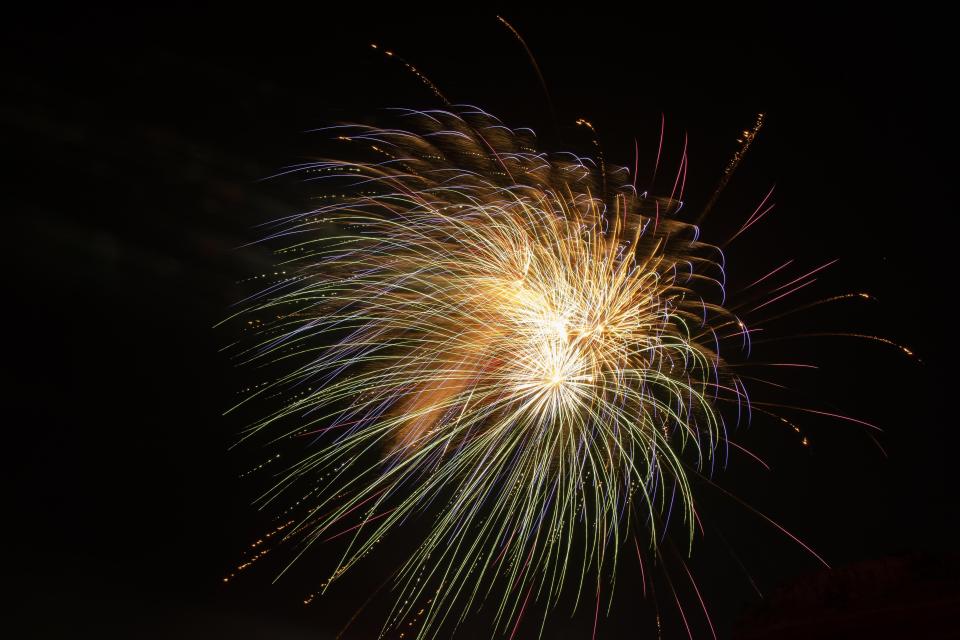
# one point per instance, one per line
(515, 347)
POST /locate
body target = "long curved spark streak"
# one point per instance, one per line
(495, 342)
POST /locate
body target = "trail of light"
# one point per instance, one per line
(756, 282)
(755, 216)
(783, 295)
(806, 275)
(520, 616)
(656, 166)
(703, 605)
(773, 522)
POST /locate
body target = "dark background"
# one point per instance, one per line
(134, 147)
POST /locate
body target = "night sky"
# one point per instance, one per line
(134, 149)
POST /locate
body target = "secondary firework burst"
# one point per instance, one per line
(516, 348)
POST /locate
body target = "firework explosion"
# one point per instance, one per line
(518, 348)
